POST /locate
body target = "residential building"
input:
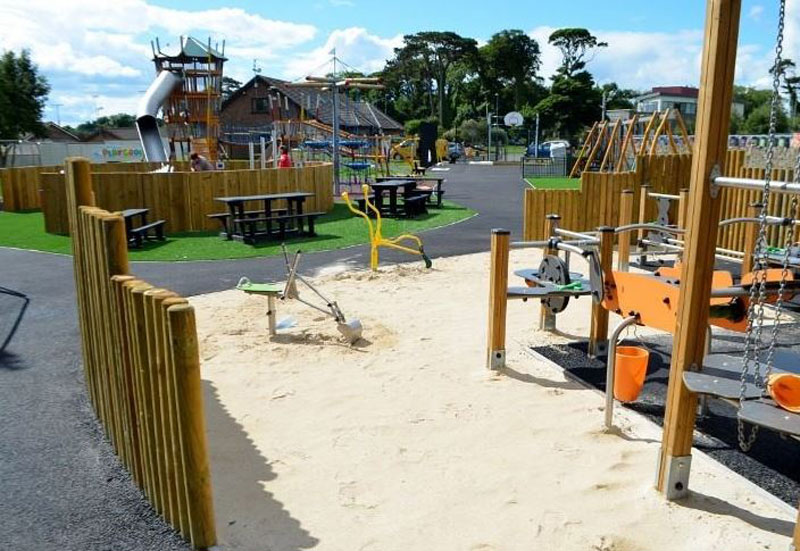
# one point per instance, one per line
(682, 98)
(263, 100)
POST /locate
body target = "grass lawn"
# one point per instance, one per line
(554, 183)
(340, 228)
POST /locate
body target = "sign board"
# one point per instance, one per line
(513, 118)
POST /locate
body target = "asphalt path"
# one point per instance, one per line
(61, 484)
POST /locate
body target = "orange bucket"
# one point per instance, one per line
(785, 390)
(630, 367)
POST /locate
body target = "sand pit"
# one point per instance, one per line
(406, 442)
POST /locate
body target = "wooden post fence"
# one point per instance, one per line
(625, 218)
(598, 331)
(142, 367)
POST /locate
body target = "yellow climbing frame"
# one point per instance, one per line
(376, 238)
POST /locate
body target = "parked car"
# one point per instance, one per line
(553, 148)
(455, 151)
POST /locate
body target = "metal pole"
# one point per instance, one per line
(536, 138)
(488, 131)
(335, 92)
(752, 183)
(610, 370)
(263, 143)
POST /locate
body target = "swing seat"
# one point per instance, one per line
(766, 413)
(720, 378)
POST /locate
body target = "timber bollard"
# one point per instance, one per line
(498, 300)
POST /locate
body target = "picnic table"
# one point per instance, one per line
(137, 234)
(253, 225)
(422, 185)
(411, 200)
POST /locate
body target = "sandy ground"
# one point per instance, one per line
(406, 441)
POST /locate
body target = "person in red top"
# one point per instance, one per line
(284, 161)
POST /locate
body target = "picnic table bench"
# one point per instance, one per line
(251, 226)
(137, 235)
(413, 200)
(430, 184)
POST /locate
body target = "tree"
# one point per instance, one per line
(757, 122)
(229, 86)
(23, 92)
(575, 45)
(619, 98)
(431, 54)
(120, 120)
(511, 59)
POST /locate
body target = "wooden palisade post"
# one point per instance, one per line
(598, 332)
(191, 424)
(625, 218)
(547, 320)
(498, 299)
(644, 194)
(713, 114)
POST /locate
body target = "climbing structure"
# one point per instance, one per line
(614, 147)
(192, 109)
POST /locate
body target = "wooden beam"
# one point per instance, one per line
(683, 208)
(657, 134)
(498, 300)
(610, 148)
(583, 150)
(684, 132)
(626, 143)
(598, 332)
(688, 350)
(625, 218)
(668, 131)
(750, 237)
(650, 123)
(601, 132)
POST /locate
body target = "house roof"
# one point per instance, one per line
(114, 134)
(688, 92)
(53, 133)
(352, 114)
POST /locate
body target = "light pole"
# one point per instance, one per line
(607, 96)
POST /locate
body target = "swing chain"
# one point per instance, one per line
(755, 308)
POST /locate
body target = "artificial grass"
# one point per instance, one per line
(335, 230)
(554, 183)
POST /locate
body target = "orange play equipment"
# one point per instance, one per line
(784, 388)
(631, 370)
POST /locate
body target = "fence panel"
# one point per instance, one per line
(142, 367)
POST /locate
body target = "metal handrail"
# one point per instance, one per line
(653, 227)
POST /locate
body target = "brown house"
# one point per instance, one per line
(253, 107)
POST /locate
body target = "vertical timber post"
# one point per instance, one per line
(750, 237)
(625, 218)
(498, 301)
(711, 143)
(547, 320)
(683, 208)
(644, 193)
(598, 332)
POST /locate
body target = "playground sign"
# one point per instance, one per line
(513, 118)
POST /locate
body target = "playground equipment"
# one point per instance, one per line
(351, 330)
(376, 239)
(613, 147)
(692, 303)
(13, 305)
(189, 88)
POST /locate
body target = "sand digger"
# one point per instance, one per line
(350, 330)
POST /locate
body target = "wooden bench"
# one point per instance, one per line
(414, 205)
(224, 218)
(142, 233)
(253, 234)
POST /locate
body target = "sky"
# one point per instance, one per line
(97, 56)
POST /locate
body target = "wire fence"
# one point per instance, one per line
(545, 167)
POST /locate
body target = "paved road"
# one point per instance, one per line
(61, 486)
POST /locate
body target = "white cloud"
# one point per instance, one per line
(755, 12)
(641, 60)
(355, 46)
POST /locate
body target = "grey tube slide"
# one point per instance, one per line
(156, 94)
